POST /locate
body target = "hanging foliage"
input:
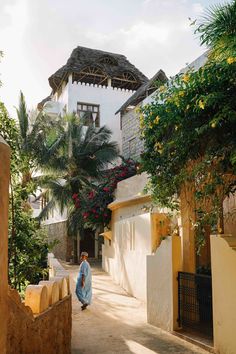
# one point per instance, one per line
(189, 134)
(91, 204)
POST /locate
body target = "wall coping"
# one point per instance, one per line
(44, 313)
(60, 273)
(231, 240)
(123, 202)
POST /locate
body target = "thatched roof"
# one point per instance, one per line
(41, 104)
(144, 91)
(95, 67)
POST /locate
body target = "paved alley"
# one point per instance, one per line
(116, 323)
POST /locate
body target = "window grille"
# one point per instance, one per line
(89, 114)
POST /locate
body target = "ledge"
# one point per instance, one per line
(231, 240)
(107, 234)
(123, 202)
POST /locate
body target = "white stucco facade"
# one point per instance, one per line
(124, 258)
(162, 285)
(108, 98)
(135, 233)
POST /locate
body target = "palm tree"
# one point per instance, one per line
(218, 30)
(34, 132)
(76, 157)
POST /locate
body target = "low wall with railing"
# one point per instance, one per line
(42, 323)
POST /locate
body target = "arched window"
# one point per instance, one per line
(126, 80)
(108, 59)
(91, 75)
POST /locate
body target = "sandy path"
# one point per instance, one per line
(116, 323)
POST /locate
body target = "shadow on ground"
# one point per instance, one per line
(116, 323)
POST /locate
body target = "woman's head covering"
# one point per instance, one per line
(84, 254)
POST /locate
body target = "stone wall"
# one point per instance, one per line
(46, 333)
(132, 145)
(42, 324)
(58, 232)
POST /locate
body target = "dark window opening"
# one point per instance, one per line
(89, 114)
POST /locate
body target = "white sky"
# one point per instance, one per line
(38, 36)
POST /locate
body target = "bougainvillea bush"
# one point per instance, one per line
(91, 203)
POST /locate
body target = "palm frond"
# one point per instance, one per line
(60, 192)
(217, 25)
(46, 210)
(23, 117)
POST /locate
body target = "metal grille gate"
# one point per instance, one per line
(195, 303)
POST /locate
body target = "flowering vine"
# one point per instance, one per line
(91, 203)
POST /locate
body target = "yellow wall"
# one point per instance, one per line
(4, 190)
(160, 224)
(223, 259)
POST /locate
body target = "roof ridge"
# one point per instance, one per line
(99, 50)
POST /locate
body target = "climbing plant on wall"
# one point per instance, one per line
(91, 204)
(189, 134)
(189, 129)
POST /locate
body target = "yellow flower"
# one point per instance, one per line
(231, 60)
(201, 104)
(141, 121)
(150, 125)
(213, 125)
(157, 146)
(156, 120)
(188, 106)
(181, 93)
(176, 127)
(186, 78)
(162, 88)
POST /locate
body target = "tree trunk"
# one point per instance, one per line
(188, 219)
(75, 250)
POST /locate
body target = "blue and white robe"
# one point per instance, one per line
(84, 294)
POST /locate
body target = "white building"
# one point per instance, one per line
(93, 84)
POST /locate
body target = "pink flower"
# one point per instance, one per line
(74, 196)
(96, 216)
(123, 174)
(91, 195)
(85, 215)
(106, 189)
